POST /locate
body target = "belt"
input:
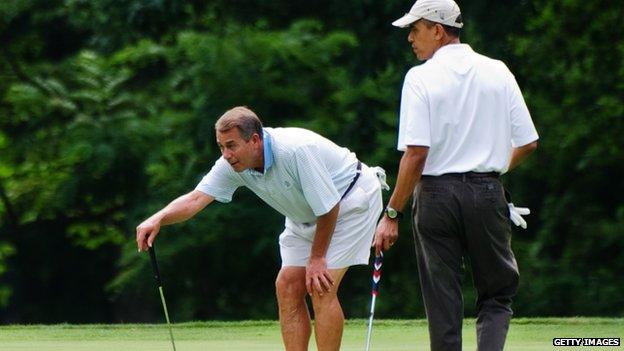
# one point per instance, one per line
(355, 179)
(466, 175)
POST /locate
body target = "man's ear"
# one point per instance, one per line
(255, 138)
(439, 32)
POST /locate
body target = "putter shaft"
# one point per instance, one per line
(370, 323)
(375, 290)
(164, 304)
(152, 253)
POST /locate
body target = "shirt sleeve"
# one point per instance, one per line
(316, 182)
(522, 129)
(414, 124)
(220, 182)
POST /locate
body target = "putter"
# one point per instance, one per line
(152, 253)
(374, 292)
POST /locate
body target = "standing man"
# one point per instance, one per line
(463, 122)
(331, 202)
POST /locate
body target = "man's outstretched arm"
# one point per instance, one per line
(179, 210)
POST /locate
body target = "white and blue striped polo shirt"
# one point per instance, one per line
(304, 175)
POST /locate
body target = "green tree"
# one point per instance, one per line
(572, 59)
(78, 181)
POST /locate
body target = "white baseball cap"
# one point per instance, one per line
(441, 11)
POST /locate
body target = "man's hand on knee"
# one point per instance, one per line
(318, 278)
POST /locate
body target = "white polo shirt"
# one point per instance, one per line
(304, 175)
(467, 108)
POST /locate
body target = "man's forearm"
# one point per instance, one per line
(518, 154)
(325, 226)
(182, 208)
(410, 170)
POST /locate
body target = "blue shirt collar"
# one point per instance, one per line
(268, 151)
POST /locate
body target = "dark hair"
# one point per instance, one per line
(242, 118)
(450, 30)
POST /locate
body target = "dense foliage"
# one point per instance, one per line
(107, 111)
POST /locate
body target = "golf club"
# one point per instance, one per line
(374, 292)
(152, 253)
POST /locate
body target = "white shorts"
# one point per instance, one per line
(351, 242)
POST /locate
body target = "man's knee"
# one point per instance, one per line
(290, 284)
(328, 301)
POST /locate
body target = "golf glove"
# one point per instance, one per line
(381, 175)
(516, 213)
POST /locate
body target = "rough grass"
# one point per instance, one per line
(388, 335)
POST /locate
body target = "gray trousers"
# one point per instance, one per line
(457, 217)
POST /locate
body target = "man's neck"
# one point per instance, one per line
(260, 165)
(447, 41)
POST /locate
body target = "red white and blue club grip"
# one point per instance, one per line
(377, 273)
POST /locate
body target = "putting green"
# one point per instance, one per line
(388, 335)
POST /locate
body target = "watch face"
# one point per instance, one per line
(391, 212)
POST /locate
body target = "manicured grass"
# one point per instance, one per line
(388, 335)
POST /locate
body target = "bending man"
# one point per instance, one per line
(331, 202)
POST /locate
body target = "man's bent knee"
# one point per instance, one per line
(290, 283)
(327, 301)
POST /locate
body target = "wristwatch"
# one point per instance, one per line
(392, 213)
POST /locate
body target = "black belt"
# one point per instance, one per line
(355, 179)
(466, 175)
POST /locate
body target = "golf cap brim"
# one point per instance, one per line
(405, 20)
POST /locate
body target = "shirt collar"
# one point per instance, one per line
(451, 49)
(268, 151)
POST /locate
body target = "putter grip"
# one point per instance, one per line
(377, 273)
(152, 253)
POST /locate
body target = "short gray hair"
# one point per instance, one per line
(240, 117)
(450, 30)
